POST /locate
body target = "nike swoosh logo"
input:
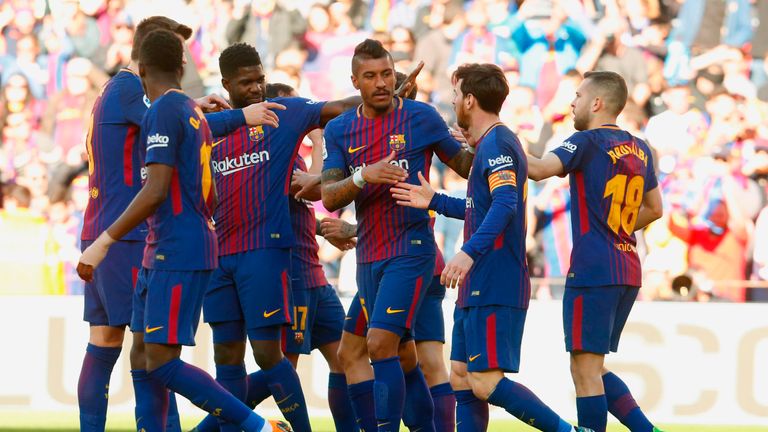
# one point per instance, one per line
(269, 314)
(218, 142)
(474, 357)
(394, 311)
(152, 329)
(283, 399)
(356, 149)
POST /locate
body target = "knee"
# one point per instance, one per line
(459, 379)
(231, 353)
(267, 353)
(138, 356)
(351, 354)
(380, 347)
(407, 354)
(483, 384)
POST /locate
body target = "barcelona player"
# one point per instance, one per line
(429, 329)
(382, 142)
(614, 193)
(177, 198)
(116, 171)
(491, 308)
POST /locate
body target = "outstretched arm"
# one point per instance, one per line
(546, 167)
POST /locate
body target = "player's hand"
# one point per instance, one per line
(461, 135)
(93, 255)
(383, 172)
(410, 195)
(410, 81)
(261, 114)
(332, 228)
(456, 270)
(212, 103)
(305, 185)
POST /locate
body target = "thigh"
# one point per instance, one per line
(173, 304)
(429, 324)
(589, 314)
(108, 298)
(262, 278)
(494, 336)
(222, 302)
(403, 284)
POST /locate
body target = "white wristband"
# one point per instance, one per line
(357, 178)
(470, 149)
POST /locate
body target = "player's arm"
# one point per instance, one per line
(146, 202)
(462, 162)
(305, 185)
(223, 123)
(338, 191)
(650, 210)
(544, 168)
(422, 196)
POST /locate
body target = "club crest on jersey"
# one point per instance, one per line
(256, 133)
(397, 142)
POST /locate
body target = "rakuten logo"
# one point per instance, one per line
(245, 160)
(501, 160)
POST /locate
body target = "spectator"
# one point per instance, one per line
(676, 131)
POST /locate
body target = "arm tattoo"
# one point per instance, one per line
(462, 163)
(337, 191)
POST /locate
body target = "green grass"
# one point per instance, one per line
(66, 422)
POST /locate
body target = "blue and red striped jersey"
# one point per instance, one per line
(181, 233)
(610, 171)
(495, 224)
(115, 156)
(253, 168)
(415, 131)
(305, 263)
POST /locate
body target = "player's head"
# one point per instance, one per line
(478, 87)
(242, 75)
(161, 60)
(400, 79)
(148, 25)
(275, 90)
(602, 94)
(373, 73)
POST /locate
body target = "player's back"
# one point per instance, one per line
(253, 167)
(305, 261)
(499, 276)
(610, 172)
(414, 131)
(181, 234)
(115, 156)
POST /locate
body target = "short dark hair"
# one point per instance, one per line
(237, 56)
(486, 82)
(278, 90)
(21, 194)
(162, 50)
(148, 25)
(611, 87)
(367, 50)
(400, 79)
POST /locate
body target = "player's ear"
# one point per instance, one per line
(142, 70)
(597, 104)
(225, 84)
(354, 82)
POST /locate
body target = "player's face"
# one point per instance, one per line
(247, 86)
(375, 78)
(462, 116)
(581, 106)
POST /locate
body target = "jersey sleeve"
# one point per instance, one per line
(134, 103)
(572, 152)
(651, 182)
(223, 123)
(444, 145)
(333, 152)
(502, 183)
(162, 133)
(448, 206)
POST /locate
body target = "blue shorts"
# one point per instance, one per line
(318, 319)
(252, 286)
(355, 322)
(430, 324)
(166, 305)
(108, 298)
(392, 290)
(488, 337)
(594, 317)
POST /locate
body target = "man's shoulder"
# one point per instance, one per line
(340, 122)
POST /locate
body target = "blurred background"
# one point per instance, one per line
(697, 73)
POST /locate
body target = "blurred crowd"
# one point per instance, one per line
(697, 72)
